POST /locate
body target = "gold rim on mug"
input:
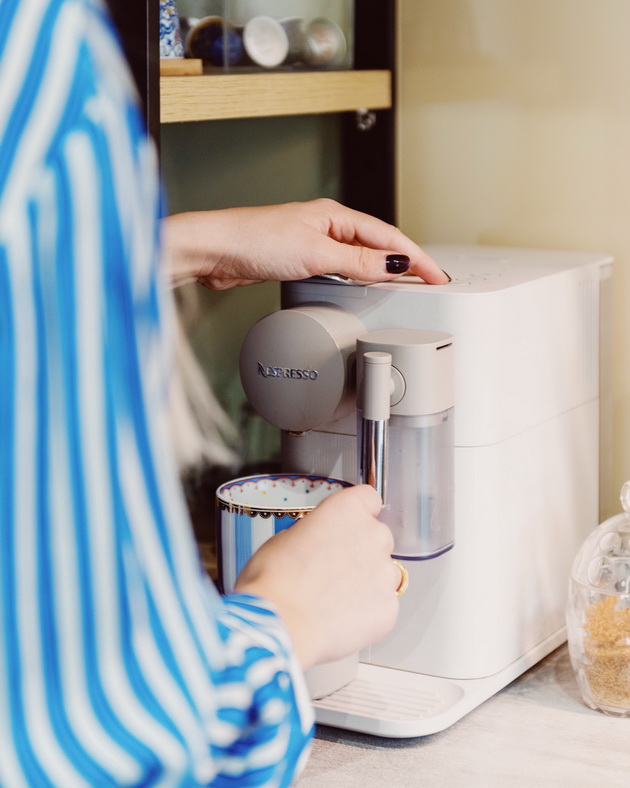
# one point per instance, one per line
(236, 508)
(276, 511)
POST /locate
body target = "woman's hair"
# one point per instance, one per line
(202, 432)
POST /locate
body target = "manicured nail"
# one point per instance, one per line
(450, 278)
(396, 263)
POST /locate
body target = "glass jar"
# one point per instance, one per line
(598, 614)
(255, 35)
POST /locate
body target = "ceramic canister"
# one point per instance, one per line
(170, 35)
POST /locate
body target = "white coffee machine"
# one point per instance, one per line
(493, 387)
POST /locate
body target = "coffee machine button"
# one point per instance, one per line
(398, 387)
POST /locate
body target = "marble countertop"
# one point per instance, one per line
(536, 733)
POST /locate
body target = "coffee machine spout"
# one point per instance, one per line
(373, 419)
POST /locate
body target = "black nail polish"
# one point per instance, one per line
(396, 263)
(450, 278)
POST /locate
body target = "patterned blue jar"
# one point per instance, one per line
(170, 35)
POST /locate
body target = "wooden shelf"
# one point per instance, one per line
(181, 67)
(220, 96)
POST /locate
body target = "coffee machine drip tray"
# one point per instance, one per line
(398, 704)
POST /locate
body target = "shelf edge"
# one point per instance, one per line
(223, 96)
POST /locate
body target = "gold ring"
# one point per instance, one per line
(404, 580)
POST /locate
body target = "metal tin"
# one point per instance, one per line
(325, 43)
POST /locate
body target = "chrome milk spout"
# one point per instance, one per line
(373, 417)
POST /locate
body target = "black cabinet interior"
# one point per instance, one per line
(138, 24)
(367, 155)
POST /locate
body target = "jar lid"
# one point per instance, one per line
(603, 561)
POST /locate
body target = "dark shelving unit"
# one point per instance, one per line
(368, 166)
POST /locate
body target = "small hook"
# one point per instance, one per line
(365, 119)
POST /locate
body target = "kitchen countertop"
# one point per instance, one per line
(535, 733)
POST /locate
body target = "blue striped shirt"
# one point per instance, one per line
(120, 665)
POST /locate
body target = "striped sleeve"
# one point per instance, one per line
(265, 729)
(120, 665)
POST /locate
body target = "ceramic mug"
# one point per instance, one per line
(266, 42)
(251, 510)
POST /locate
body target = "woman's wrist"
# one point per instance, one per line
(302, 636)
(193, 242)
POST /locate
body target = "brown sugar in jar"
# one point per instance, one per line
(607, 651)
(598, 614)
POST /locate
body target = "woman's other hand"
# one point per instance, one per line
(330, 576)
(240, 246)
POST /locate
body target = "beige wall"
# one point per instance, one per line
(514, 129)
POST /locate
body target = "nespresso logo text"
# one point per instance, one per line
(286, 372)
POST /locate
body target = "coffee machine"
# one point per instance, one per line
(478, 415)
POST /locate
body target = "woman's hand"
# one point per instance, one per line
(330, 576)
(239, 246)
